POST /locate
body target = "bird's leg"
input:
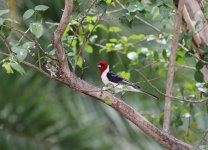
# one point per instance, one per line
(101, 92)
(102, 89)
(122, 95)
(111, 91)
(106, 89)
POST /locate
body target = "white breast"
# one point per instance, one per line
(104, 76)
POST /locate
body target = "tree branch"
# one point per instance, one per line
(196, 22)
(70, 79)
(60, 52)
(171, 68)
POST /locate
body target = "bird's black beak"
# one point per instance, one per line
(98, 65)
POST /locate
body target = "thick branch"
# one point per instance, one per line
(196, 22)
(194, 15)
(170, 76)
(70, 79)
(59, 32)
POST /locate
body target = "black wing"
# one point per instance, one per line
(114, 77)
(118, 79)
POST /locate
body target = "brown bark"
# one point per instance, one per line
(171, 68)
(71, 80)
(193, 14)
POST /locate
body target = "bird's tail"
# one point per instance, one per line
(147, 93)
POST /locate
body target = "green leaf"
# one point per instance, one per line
(6, 31)
(129, 16)
(156, 13)
(5, 11)
(206, 85)
(124, 74)
(88, 49)
(156, 56)
(101, 6)
(90, 19)
(164, 54)
(14, 43)
(136, 37)
(109, 1)
(132, 56)
(124, 39)
(164, 11)
(18, 68)
(79, 61)
(28, 14)
(15, 49)
(102, 27)
(41, 7)
(107, 100)
(199, 65)
(179, 60)
(21, 54)
(113, 40)
(199, 77)
(28, 45)
(135, 6)
(93, 38)
(204, 49)
(114, 29)
(1, 21)
(68, 28)
(127, 20)
(90, 27)
(205, 58)
(168, 3)
(8, 68)
(36, 29)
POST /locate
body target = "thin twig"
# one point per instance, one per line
(6, 43)
(194, 56)
(173, 97)
(114, 11)
(23, 35)
(187, 67)
(39, 49)
(203, 138)
(150, 64)
(118, 50)
(4, 54)
(156, 78)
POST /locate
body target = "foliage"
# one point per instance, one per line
(98, 30)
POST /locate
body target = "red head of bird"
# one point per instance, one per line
(102, 66)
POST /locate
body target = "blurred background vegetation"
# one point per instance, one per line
(39, 113)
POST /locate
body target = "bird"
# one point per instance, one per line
(109, 77)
